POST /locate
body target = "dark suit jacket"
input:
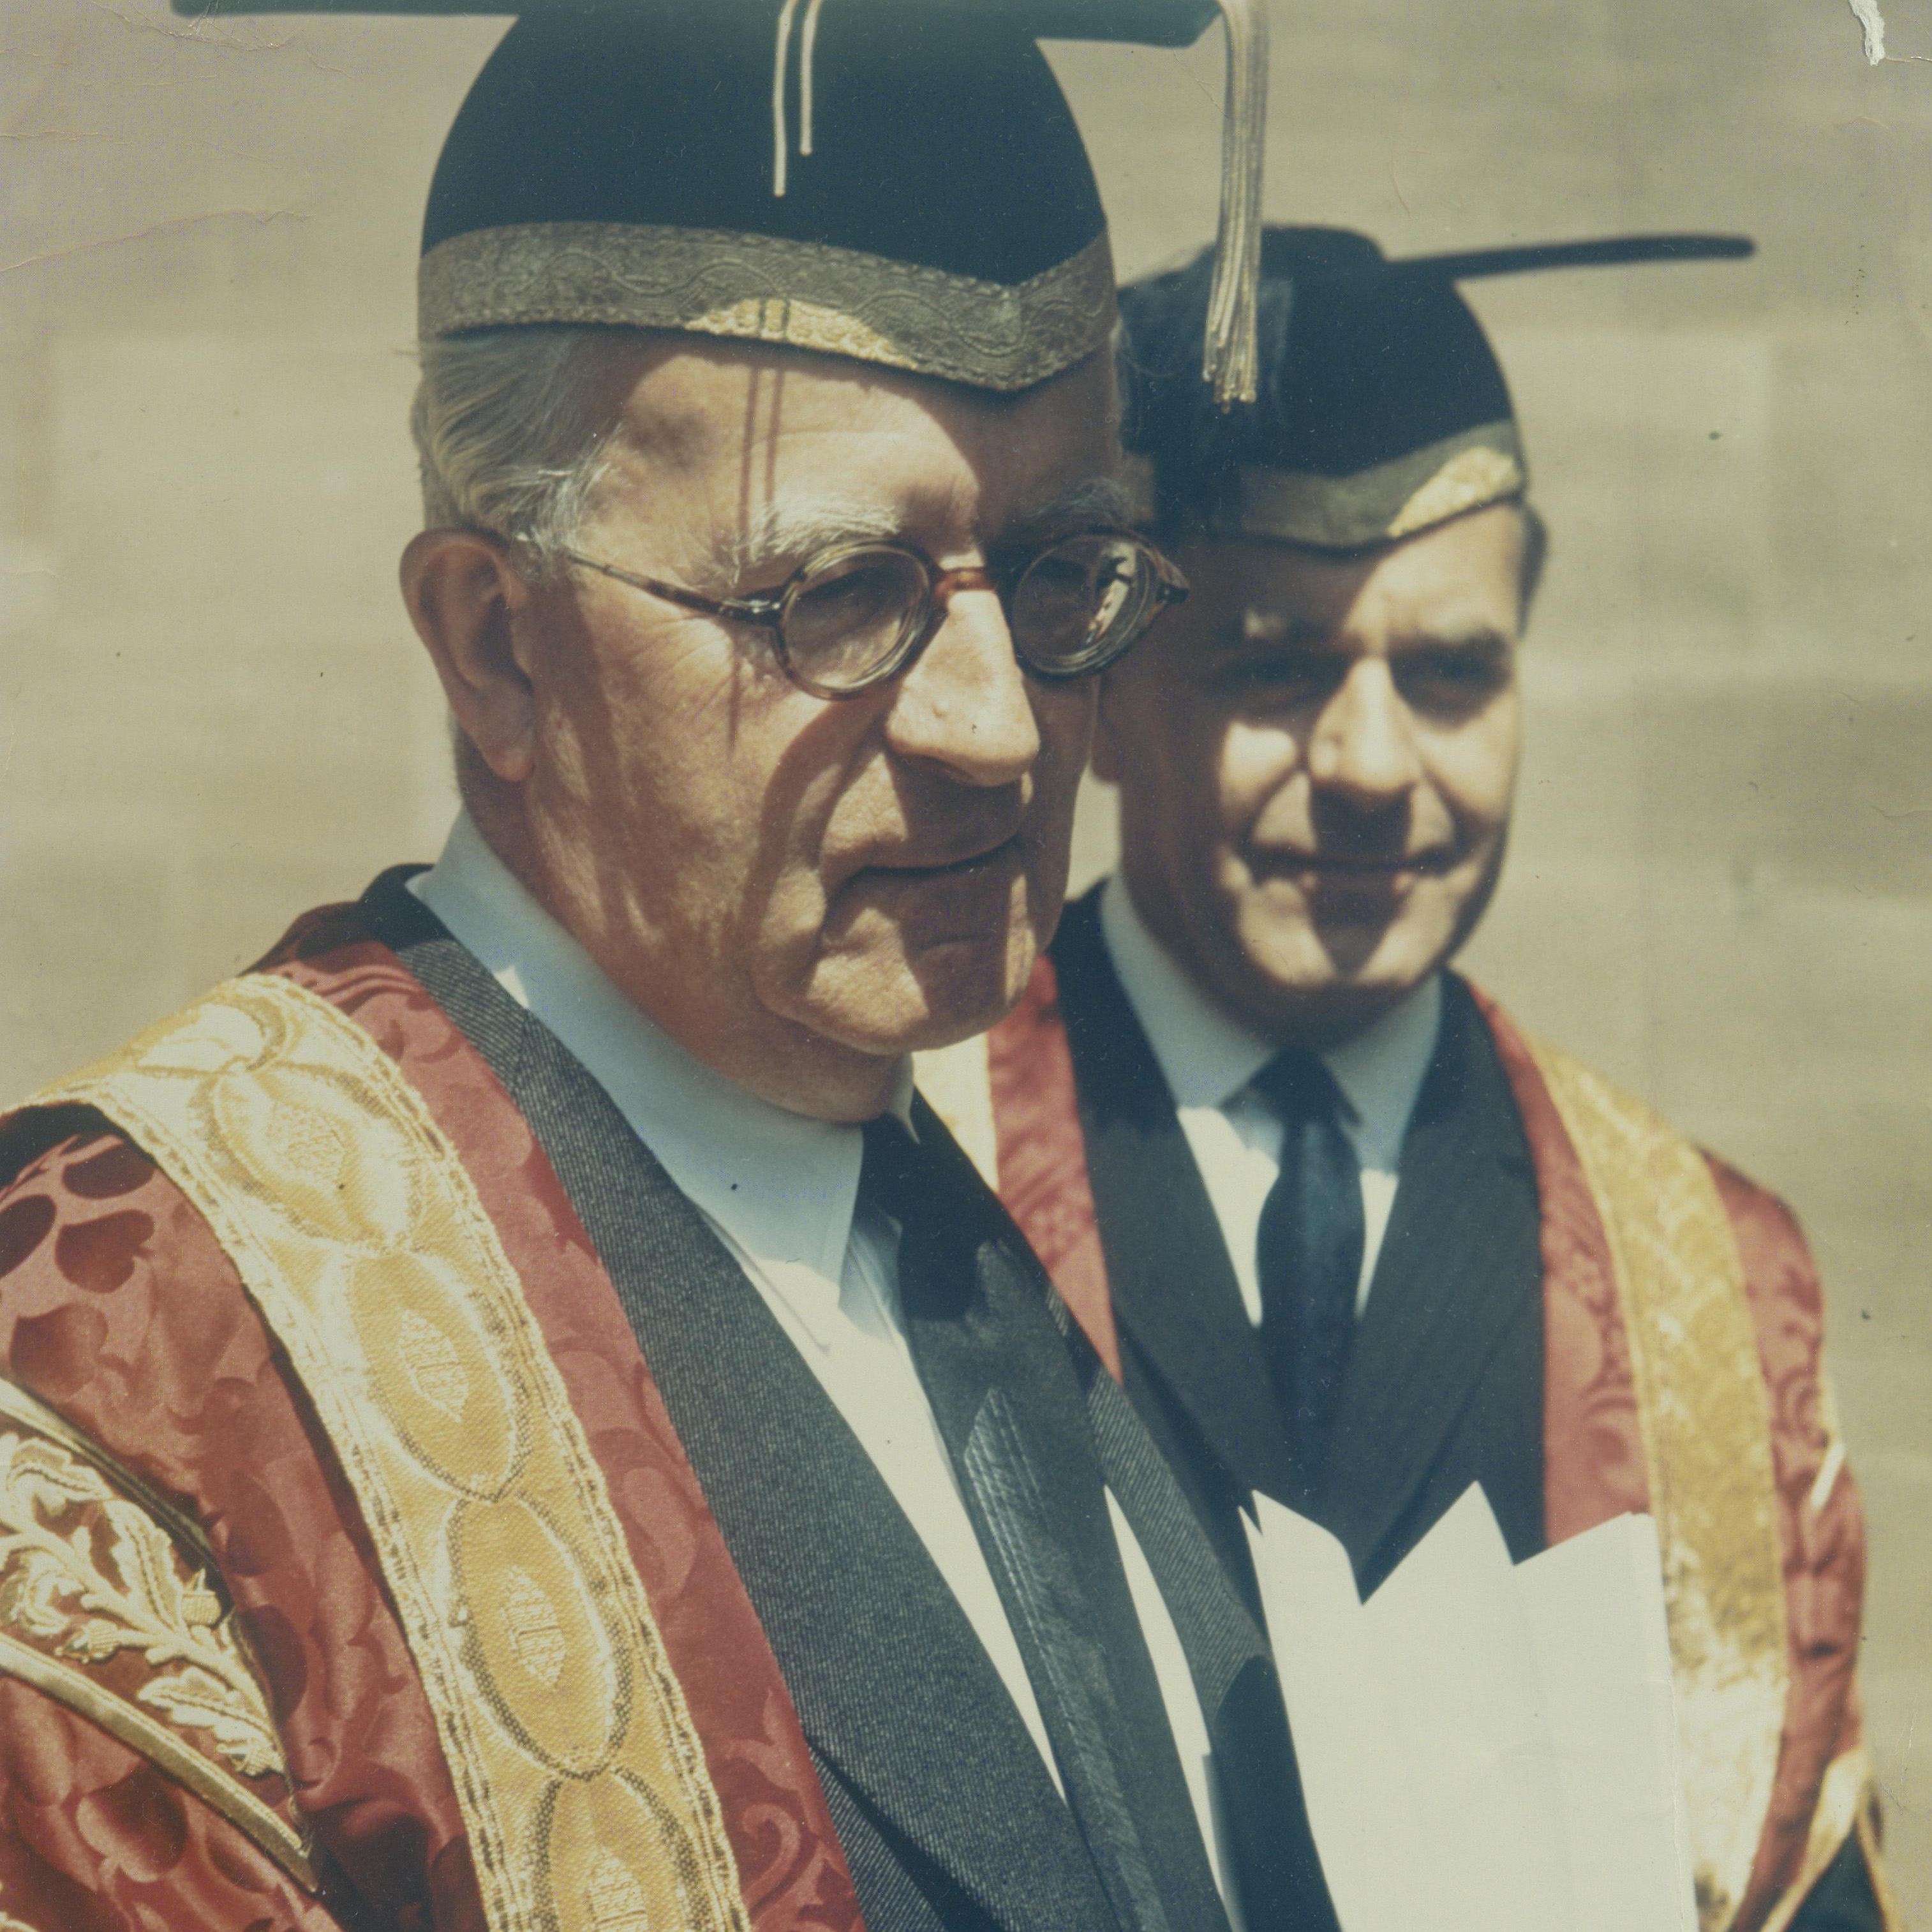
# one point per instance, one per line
(1444, 1386)
(947, 1814)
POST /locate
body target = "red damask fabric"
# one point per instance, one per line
(1594, 1461)
(1594, 1468)
(94, 1839)
(118, 1309)
(789, 1859)
(1822, 1525)
(1043, 1159)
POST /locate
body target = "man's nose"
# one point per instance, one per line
(964, 704)
(1363, 743)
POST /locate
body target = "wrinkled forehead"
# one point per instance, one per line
(764, 429)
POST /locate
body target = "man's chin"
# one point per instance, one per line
(1318, 985)
(921, 1001)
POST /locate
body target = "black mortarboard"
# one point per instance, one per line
(1381, 408)
(897, 181)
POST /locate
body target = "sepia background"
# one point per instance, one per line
(212, 714)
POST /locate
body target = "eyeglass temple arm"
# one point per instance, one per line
(750, 610)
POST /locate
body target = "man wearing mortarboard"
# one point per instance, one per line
(1349, 1238)
(514, 1415)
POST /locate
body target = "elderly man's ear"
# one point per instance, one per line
(470, 606)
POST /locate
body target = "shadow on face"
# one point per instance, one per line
(799, 888)
(1316, 757)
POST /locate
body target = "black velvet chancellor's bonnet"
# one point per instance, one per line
(899, 182)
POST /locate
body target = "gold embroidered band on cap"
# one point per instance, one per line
(1463, 473)
(1703, 1415)
(758, 288)
(360, 1237)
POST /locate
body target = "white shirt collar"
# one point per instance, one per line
(1208, 1059)
(781, 1186)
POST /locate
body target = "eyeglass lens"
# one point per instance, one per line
(844, 620)
(1074, 607)
(1077, 603)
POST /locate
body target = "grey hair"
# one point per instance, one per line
(510, 426)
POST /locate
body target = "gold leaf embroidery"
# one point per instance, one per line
(195, 1700)
(564, 1725)
(87, 1574)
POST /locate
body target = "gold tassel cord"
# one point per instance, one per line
(780, 142)
(808, 49)
(1231, 358)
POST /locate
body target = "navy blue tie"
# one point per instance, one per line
(1308, 1254)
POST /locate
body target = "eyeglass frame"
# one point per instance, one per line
(767, 609)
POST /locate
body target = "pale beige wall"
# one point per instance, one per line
(1721, 890)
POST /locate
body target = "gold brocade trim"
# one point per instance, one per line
(760, 288)
(361, 1241)
(1844, 1796)
(1705, 1419)
(17, 1405)
(93, 1567)
(1471, 479)
(1463, 473)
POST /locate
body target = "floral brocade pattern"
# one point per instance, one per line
(1766, 1575)
(119, 1309)
(108, 1287)
(362, 1242)
(106, 1605)
(790, 1867)
(1778, 1582)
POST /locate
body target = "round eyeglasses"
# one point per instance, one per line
(858, 613)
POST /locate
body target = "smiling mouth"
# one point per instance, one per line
(1344, 865)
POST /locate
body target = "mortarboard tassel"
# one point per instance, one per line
(807, 47)
(1230, 362)
(781, 142)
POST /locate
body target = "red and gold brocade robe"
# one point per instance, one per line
(1681, 1374)
(320, 1419)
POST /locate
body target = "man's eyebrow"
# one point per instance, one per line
(1477, 636)
(1257, 626)
(791, 531)
(1093, 501)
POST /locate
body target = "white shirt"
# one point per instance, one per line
(781, 1192)
(1209, 1061)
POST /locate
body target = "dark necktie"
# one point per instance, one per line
(1010, 1409)
(1308, 1254)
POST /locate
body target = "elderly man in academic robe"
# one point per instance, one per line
(512, 1415)
(1350, 1239)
